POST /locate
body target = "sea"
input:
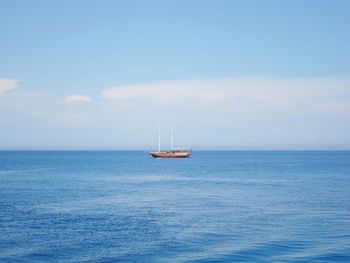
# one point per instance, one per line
(216, 206)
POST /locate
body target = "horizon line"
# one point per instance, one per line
(195, 150)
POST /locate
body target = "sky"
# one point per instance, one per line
(233, 75)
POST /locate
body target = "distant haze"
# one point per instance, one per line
(227, 75)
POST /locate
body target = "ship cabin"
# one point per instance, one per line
(180, 150)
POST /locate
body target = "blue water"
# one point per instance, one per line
(213, 207)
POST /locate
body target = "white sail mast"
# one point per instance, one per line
(172, 137)
(159, 138)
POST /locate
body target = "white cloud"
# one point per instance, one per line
(232, 113)
(7, 84)
(77, 99)
(272, 92)
(169, 92)
(249, 112)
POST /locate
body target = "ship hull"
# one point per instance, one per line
(170, 154)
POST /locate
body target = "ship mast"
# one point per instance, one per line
(172, 137)
(159, 138)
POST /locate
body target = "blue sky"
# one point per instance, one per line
(103, 74)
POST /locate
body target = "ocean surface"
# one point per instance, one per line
(110, 206)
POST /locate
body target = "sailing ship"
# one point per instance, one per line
(173, 152)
